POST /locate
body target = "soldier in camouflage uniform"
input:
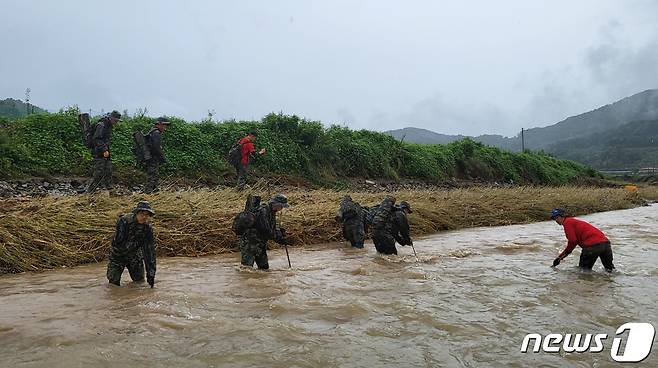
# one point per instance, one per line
(133, 246)
(253, 243)
(351, 214)
(154, 143)
(102, 176)
(382, 227)
(401, 224)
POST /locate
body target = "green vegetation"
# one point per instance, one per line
(13, 109)
(631, 146)
(51, 144)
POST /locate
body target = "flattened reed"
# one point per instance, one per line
(50, 232)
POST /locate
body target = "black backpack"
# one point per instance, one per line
(381, 218)
(142, 146)
(370, 214)
(246, 219)
(234, 155)
(88, 129)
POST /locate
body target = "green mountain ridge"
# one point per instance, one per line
(630, 146)
(562, 139)
(13, 109)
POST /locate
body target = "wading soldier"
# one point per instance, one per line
(154, 143)
(102, 176)
(253, 243)
(133, 246)
(382, 227)
(351, 215)
(401, 224)
(593, 242)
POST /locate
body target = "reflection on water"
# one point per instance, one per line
(468, 302)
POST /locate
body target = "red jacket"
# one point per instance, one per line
(581, 233)
(247, 150)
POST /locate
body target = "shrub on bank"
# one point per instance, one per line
(51, 144)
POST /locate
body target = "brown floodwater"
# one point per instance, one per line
(469, 302)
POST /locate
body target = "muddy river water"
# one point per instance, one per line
(469, 302)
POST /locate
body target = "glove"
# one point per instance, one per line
(106, 154)
(150, 280)
(556, 261)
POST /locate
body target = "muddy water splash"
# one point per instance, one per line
(468, 303)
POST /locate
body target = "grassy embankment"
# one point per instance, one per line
(50, 232)
(46, 144)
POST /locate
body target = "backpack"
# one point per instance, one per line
(88, 129)
(370, 214)
(349, 209)
(246, 219)
(381, 219)
(141, 149)
(234, 155)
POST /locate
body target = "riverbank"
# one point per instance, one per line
(51, 232)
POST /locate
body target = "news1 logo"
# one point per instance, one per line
(637, 348)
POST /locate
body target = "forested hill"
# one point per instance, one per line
(630, 146)
(12, 109)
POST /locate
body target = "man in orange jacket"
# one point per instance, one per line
(593, 242)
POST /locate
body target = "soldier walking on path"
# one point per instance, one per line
(157, 157)
(102, 138)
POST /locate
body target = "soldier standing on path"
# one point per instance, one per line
(133, 247)
(157, 156)
(102, 176)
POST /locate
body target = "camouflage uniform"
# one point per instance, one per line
(382, 227)
(253, 243)
(133, 248)
(153, 164)
(400, 227)
(351, 214)
(102, 176)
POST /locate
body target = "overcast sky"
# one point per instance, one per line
(455, 67)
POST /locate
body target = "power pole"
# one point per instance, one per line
(27, 101)
(522, 140)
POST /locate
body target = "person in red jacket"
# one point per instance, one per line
(247, 150)
(593, 242)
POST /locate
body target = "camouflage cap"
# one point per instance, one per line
(405, 206)
(115, 114)
(144, 206)
(162, 120)
(280, 199)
